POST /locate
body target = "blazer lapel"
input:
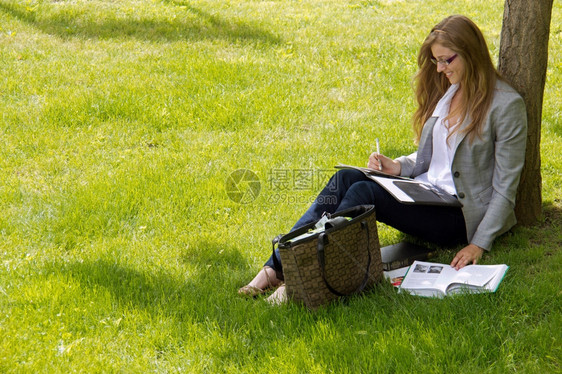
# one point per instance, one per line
(425, 149)
(461, 134)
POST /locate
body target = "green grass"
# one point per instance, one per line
(120, 249)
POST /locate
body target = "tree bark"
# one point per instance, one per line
(523, 61)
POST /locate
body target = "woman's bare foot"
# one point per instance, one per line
(263, 281)
(278, 297)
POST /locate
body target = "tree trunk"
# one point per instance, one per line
(522, 62)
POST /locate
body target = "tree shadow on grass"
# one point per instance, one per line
(549, 229)
(192, 24)
(239, 327)
(156, 290)
(209, 286)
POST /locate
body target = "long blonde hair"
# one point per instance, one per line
(462, 36)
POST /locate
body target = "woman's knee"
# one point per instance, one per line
(345, 178)
(367, 192)
(359, 193)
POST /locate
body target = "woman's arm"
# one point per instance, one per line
(510, 131)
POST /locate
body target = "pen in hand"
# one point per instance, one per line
(378, 152)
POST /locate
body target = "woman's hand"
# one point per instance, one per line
(384, 164)
(468, 255)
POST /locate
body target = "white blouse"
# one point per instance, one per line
(439, 172)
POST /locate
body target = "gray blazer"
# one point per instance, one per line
(485, 171)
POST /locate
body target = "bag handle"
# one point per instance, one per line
(323, 241)
(276, 263)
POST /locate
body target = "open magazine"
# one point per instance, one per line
(439, 280)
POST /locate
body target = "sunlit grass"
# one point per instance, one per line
(121, 250)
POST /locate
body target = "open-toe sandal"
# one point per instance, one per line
(253, 291)
(250, 291)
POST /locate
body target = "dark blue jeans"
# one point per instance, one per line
(348, 188)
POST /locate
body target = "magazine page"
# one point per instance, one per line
(426, 279)
(478, 278)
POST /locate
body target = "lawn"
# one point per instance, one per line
(123, 243)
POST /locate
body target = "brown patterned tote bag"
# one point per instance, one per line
(338, 256)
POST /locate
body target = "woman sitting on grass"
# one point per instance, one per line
(471, 128)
